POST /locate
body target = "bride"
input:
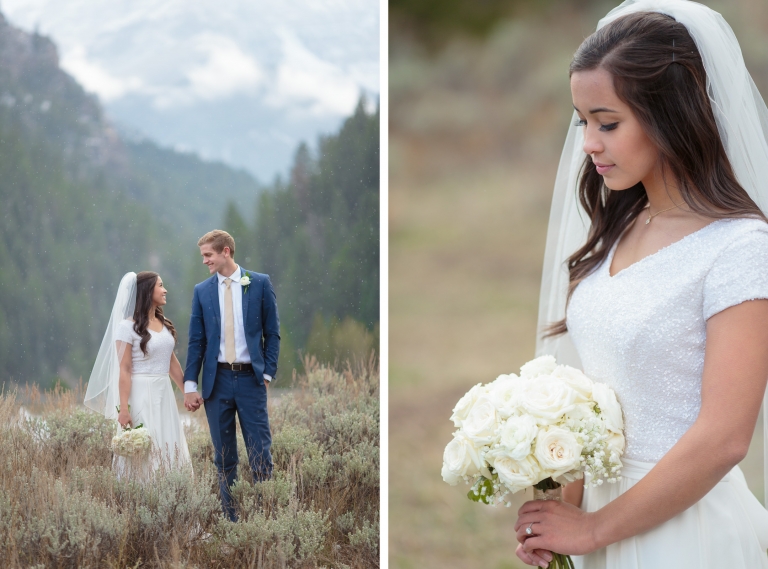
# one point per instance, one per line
(130, 379)
(656, 280)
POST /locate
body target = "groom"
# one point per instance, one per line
(234, 336)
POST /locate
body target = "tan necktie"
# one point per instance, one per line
(229, 324)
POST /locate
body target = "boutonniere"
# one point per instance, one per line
(245, 281)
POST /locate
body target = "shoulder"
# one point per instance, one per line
(740, 231)
(255, 277)
(742, 241)
(125, 330)
(739, 267)
(206, 282)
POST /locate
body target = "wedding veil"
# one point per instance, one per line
(742, 121)
(102, 394)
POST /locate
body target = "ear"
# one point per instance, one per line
(226, 252)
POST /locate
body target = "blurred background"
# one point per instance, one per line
(479, 107)
(128, 129)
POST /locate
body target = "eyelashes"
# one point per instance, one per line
(603, 127)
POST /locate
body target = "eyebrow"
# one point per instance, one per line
(598, 110)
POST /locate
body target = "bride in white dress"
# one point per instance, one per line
(656, 283)
(131, 380)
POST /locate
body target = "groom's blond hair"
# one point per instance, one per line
(218, 239)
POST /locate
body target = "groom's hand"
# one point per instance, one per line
(192, 401)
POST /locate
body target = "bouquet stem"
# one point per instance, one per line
(548, 489)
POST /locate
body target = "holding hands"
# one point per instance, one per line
(192, 401)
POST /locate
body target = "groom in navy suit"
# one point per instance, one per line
(234, 336)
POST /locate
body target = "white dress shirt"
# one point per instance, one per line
(242, 356)
(241, 348)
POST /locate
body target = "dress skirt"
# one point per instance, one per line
(153, 403)
(727, 528)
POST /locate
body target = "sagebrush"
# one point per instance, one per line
(61, 506)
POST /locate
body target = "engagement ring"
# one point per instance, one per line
(528, 530)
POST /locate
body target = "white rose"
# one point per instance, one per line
(464, 405)
(245, 280)
(576, 380)
(543, 365)
(516, 475)
(583, 411)
(505, 392)
(615, 444)
(460, 459)
(482, 422)
(610, 409)
(547, 399)
(558, 451)
(516, 436)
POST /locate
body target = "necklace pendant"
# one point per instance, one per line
(647, 221)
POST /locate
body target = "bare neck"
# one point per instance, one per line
(662, 191)
(229, 269)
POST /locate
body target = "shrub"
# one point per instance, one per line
(61, 505)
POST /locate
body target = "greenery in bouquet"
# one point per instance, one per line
(548, 426)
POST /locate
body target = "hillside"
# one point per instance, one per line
(80, 206)
(317, 236)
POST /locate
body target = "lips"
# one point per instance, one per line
(602, 169)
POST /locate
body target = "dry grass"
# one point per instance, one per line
(61, 505)
(475, 137)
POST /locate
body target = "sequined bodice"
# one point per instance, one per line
(160, 346)
(643, 331)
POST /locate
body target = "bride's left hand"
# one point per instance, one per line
(557, 526)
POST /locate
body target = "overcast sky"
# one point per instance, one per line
(243, 81)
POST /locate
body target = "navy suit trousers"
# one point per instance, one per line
(243, 393)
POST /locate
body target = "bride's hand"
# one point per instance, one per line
(124, 418)
(557, 526)
(538, 557)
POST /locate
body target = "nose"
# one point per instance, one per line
(592, 141)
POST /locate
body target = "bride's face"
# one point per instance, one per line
(613, 137)
(159, 293)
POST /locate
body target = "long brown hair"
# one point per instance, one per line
(145, 287)
(658, 72)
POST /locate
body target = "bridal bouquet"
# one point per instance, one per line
(547, 427)
(132, 441)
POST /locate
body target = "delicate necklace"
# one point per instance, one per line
(651, 216)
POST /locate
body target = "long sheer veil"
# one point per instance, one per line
(742, 121)
(102, 394)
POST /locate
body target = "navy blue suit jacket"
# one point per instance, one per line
(260, 320)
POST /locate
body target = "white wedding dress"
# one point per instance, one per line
(643, 332)
(152, 403)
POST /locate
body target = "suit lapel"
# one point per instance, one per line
(213, 291)
(246, 295)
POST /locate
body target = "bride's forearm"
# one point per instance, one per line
(124, 385)
(176, 373)
(686, 474)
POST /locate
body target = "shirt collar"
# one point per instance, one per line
(235, 276)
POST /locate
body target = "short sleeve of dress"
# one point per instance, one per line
(125, 332)
(739, 273)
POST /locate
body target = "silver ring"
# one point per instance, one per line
(528, 530)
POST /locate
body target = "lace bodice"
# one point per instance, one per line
(643, 331)
(159, 349)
